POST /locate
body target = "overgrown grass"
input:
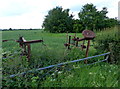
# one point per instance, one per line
(100, 75)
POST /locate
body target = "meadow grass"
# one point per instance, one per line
(99, 75)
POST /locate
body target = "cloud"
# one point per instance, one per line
(28, 20)
(12, 8)
(119, 10)
(31, 13)
(23, 13)
(18, 7)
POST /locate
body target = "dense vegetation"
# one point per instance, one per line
(59, 20)
(71, 75)
(109, 41)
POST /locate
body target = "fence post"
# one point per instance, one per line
(86, 55)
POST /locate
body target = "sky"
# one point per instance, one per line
(26, 14)
(119, 10)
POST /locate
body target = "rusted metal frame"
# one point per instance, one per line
(88, 35)
(83, 44)
(24, 49)
(80, 39)
(27, 43)
(87, 50)
(8, 40)
(5, 40)
(88, 45)
(29, 51)
(73, 41)
(76, 42)
(69, 42)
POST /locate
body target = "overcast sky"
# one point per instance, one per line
(31, 13)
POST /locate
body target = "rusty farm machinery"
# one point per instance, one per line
(88, 36)
(25, 45)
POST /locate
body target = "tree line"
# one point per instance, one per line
(59, 20)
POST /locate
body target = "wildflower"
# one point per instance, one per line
(53, 74)
(103, 77)
(90, 73)
(52, 80)
(109, 70)
(59, 72)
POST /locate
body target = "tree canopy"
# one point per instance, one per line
(59, 20)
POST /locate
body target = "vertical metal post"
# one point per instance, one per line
(77, 42)
(69, 42)
(24, 49)
(73, 41)
(86, 55)
(83, 44)
(28, 49)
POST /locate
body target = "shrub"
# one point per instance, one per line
(108, 40)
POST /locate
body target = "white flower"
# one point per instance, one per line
(90, 73)
(53, 74)
(103, 77)
(59, 72)
(52, 80)
(109, 70)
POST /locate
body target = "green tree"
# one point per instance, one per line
(78, 26)
(58, 20)
(101, 19)
(92, 18)
(87, 16)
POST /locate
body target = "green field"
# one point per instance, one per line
(53, 52)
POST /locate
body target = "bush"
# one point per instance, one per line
(108, 40)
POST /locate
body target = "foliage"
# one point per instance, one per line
(78, 26)
(108, 40)
(87, 15)
(93, 19)
(58, 20)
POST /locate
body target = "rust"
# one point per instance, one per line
(67, 44)
(88, 34)
(29, 51)
(86, 55)
(83, 46)
(4, 40)
(25, 45)
(80, 39)
(74, 39)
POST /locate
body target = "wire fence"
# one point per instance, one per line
(60, 64)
